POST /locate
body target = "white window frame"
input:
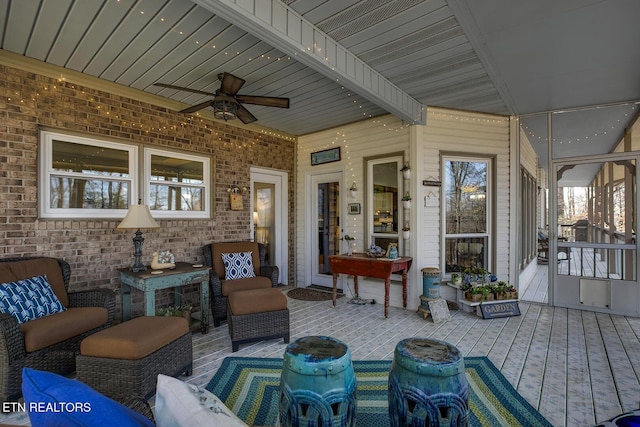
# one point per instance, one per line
(206, 184)
(371, 234)
(46, 171)
(488, 234)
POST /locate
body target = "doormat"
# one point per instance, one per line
(250, 387)
(306, 294)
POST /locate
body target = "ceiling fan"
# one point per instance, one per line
(226, 102)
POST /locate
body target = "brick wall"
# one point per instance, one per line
(94, 248)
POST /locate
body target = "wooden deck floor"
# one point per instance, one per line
(576, 367)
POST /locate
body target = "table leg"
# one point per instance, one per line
(404, 288)
(335, 288)
(125, 300)
(150, 303)
(204, 306)
(387, 285)
(177, 296)
(355, 285)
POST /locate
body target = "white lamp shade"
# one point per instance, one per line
(255, 217)
(138, 216)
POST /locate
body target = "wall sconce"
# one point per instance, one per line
(354, 190)
(234, 189)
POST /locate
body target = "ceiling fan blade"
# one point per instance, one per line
(267, 101)
(197, 107)
(244, 115)
(230, 83)
(186, 89)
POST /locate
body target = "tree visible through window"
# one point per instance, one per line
(466, 213)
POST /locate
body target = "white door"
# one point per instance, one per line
(325, 227)
(270, 216)
(593, 242)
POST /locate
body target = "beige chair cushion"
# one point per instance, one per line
(136, 338)
(257, 301)
(18, 270)
(56, 328)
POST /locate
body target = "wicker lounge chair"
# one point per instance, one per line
(58, 356)
(266, 275)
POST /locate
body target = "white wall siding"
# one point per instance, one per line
(467, 133)
(359, 140)
(447, 131)
(528, 157)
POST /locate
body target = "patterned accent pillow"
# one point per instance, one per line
(238, 265)
(28, 299)
(179, 404)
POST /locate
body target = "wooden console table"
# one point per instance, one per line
(183, 274)
(380, 268)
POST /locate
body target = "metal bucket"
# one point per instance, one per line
(431, 282)
(317, 384)
(427, 385)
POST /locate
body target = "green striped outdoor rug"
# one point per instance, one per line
(250, 388)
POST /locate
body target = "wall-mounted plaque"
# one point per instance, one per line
(325, 156)
(236, 202)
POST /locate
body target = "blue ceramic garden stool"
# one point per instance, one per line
(427, 385)
(318, 384)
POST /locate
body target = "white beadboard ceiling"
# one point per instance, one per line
(340, 61)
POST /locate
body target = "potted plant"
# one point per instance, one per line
(406, 232)
(487, 294)
(476, 293)
(176, 311)
(456, 279)
(406, 171)
(510, 292)
(500, 289)
(406, 200)
(466, 289)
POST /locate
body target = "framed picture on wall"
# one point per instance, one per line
(354, 209)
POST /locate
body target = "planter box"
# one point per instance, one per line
(507, 295)
(473, 297)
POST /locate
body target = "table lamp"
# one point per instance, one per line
(138, 216)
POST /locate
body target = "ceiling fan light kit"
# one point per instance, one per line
(224, 110)
(227, 103)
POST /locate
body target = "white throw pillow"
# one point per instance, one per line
(238, 265)
(180, 404)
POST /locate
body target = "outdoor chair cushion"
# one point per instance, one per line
(49, 330)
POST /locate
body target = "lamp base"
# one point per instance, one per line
(137, 244)
(139, 268)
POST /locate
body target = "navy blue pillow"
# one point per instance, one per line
(29, 299)
(53, 400)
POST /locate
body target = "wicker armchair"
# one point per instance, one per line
(220, 288)
(59, 357)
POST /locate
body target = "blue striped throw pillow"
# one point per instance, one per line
(29, 299)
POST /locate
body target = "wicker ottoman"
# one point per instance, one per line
(256, 315)
(126, 359)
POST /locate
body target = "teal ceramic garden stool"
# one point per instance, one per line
(427, 385)
(318, 384)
